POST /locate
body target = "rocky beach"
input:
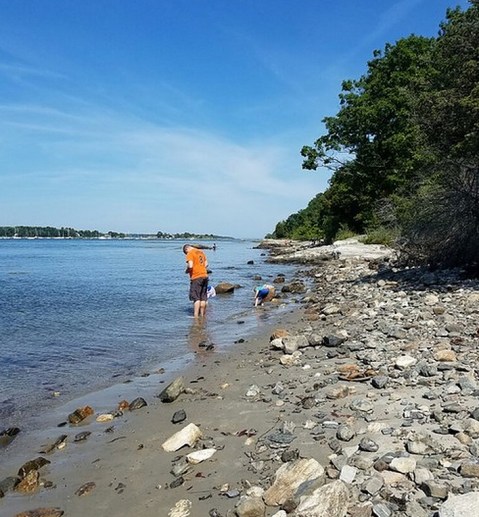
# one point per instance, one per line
(361, 401)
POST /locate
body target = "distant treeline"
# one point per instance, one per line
(188, 236)
(51, 232)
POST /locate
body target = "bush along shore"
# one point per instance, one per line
(362, 402)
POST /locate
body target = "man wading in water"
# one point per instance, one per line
(197, 268)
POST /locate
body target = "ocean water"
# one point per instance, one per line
(77, 316)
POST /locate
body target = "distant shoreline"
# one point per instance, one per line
(51, 232)
(126, 238)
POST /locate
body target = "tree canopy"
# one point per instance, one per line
(404, 143)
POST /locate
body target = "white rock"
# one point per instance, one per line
(330, 309)
(289, 477)
(255, 491)
(253, 391)
(291, 360)
(292, 343)
(473, 298)
(106, 417)
(189, 435)
(405, 361)
(403, 465)
(466, 505)
(277, 343)
(181, 509)
(199, 456)
(393, 478)
(329, 500)
(309, 424)
(348, 474)
(431, 299)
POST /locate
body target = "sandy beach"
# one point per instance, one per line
(130, 469)
(334, 410)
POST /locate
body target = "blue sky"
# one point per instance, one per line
(179, 115)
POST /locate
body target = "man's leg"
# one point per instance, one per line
(202, 308)
(196, 309)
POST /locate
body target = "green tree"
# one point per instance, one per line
(374, 144)
(442, 227)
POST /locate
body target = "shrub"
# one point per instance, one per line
(344, 233)
(381, 235)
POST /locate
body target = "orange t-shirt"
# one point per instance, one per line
(199, 263)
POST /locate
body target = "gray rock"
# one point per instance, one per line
(345, 433)
(362, 405)
(81, 437)
(368, 445)
(333, 341)
(379, 381)
(289, 455)
(315, 339)
(281, 438)
(470, 470)
(414, 509)
(382, 510)
(137, 404)
(373, 485)
(180, 468)
(278, 388)
(224, 288)
(251, 507)
(173, 390)
(435, 489)
(178, 417)
(9, 483)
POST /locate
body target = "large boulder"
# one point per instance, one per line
(329, 500)
(224, 288)
(290, 477)
(465, 505)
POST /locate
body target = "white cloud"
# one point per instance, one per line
(189, 179)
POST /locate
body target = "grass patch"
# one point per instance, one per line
(381, 235)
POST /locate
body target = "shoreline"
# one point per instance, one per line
(65, 463)
(364, 405)
(118, 343)
(134, 435)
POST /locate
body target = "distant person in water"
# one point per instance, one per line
(214, 246)
(263, 293)
(197, 268)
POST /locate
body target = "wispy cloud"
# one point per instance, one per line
(17, 71)
(141, 162)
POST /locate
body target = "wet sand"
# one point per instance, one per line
(127, 464)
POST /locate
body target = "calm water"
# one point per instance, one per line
(76, 316)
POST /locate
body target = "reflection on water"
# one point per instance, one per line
(77, 316)
(199, 339)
